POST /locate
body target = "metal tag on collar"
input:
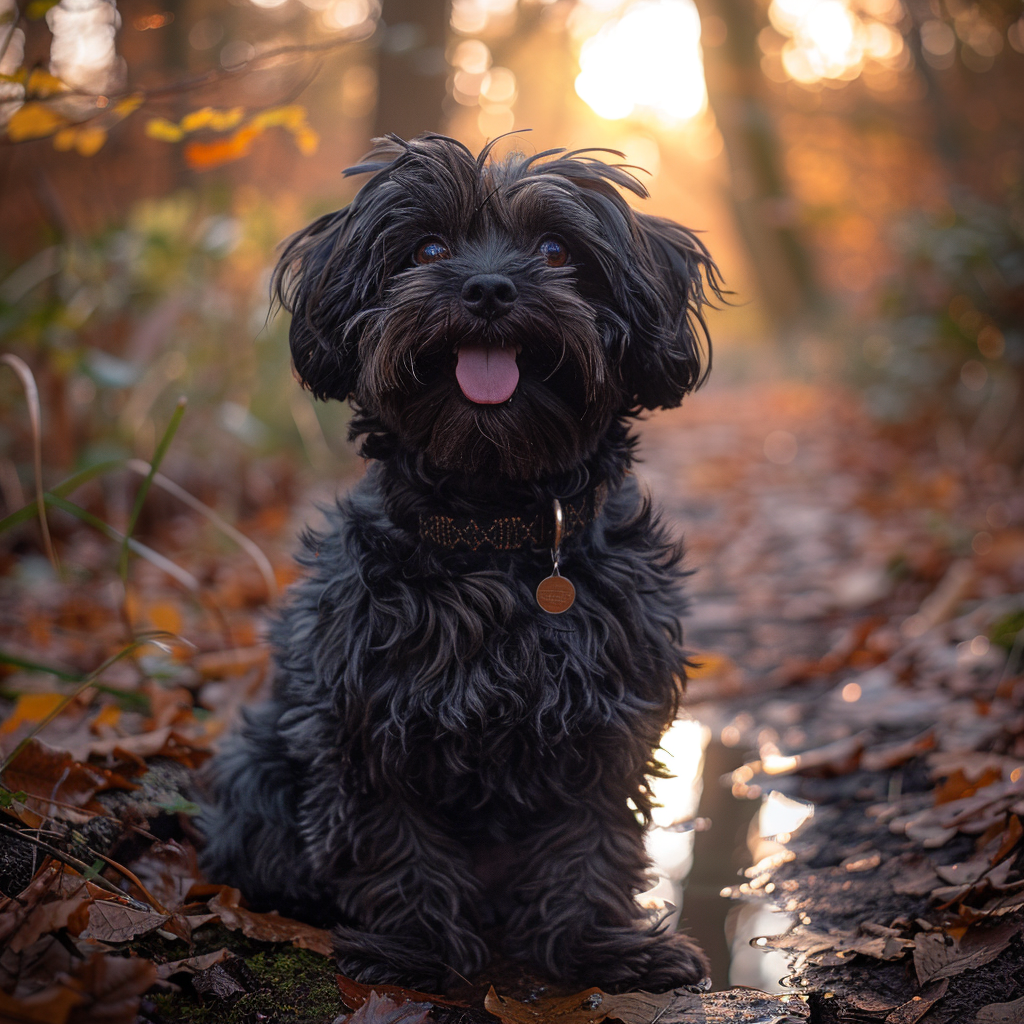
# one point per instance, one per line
(556, 594)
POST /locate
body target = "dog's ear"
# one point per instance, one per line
(667, 352)
(317, 285)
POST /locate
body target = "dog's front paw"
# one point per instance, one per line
(672, 961)
(652, 961)
(386, 960)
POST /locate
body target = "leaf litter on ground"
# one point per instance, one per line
(862, 654)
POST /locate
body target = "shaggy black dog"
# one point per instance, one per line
(441, 755)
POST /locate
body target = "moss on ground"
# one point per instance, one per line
(293, 986)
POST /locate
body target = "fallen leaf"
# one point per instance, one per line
(937, 955)
(29, 709)
(50, 775)
(915, 876)
(191, 964)
(892, 755)
(958, 785)
(114, 922)
(268, 927)
(112, 986)
(585, 1007)
(51, 1006)
(915, 1008)
(1002, 1013)
(355, 994)
(380, 1010)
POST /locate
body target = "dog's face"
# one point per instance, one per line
(495, 317)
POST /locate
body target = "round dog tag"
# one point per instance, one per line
(555, 594)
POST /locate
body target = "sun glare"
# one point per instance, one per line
(648, 60)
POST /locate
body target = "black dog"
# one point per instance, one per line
(441, 754)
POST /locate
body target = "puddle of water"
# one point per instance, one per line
(693, 867)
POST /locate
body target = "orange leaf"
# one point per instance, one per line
(202, 156)
(34, 121)
(31, 708)
(165, 615)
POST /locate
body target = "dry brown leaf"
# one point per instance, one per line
(168, 870)
(13, 912)
(113, 922)
(915, 876)
(191, 964)
(51, 1006)
(268, 927)
(958, 785)
(937, 955)
(48, 915)
(593, 1005)
(585, 1007)
(892, 755)
(380, 1010)
(355, 994)
(1002, 1013)
(914, 1009)
(52, 775)
(112, 986)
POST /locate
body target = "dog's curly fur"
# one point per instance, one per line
(440, 756)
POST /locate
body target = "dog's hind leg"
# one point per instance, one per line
(410, 894)
(253, 840)
(576, 918)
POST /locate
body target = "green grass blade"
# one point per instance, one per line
(62, 490)
(140, 641)
(154, 463)
(35, 666)
(175, 571)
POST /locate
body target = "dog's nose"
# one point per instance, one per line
(489, 295)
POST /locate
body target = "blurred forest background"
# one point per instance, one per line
(857, 166)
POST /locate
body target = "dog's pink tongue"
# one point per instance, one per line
(487, 375)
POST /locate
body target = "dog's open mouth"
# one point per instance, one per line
(487, 374)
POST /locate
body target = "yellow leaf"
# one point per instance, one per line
(196, 120)
(42, 84)
(209, 117)
(65, 139)
(87, 141)
(292, 116)
(129, 104)
(17, 78)
(38, 8)
(34, 121)
(31, 708)
(164, 130)
(307, 140)
(224, 120)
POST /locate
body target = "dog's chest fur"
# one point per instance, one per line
(436, 675)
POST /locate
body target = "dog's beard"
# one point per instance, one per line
(561, 406)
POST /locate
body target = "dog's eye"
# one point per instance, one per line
(432, 250)
(554, 252)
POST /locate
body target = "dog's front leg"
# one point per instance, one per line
(411, 896)
(576, 917)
